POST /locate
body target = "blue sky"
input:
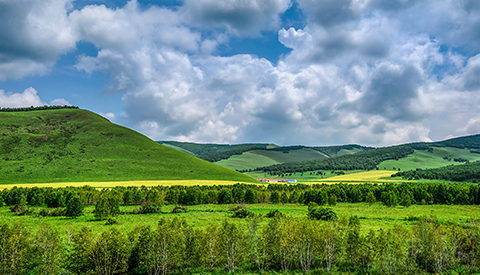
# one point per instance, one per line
(313, 72)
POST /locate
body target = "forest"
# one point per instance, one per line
(319, 242)
(149, 200)
(284, 244)
(463, 172)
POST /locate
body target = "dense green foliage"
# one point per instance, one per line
(107, 202)
(175, 246)
(38, 108)
(69, 145)
(464, 172)
(468, 142)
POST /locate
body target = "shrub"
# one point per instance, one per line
(321, 213)
(274, 213)
(111, 221)
(149, 208)
(235, 208)
(180, 209)
(242, 214)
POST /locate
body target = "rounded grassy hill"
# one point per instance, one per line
(72, 145)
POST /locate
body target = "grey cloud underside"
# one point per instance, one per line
(391, 92)
(244, 17)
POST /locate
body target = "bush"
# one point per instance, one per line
(150, 208)
(55, 212)
(235, 208)
(274, 213)
(242, 214)
(179, 209)
(321, 213)
(111, 221)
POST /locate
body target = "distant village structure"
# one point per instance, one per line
(280, 180)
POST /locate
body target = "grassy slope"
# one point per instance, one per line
(259, 158)
(78, 145)
(425, 159)
(247, 160)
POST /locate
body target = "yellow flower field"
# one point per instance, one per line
(368, 176)
(124, 183)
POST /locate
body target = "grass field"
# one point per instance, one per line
(372, 217)
(245, 161)
(79, 146)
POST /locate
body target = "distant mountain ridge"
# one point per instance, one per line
(249, 156)
(282, 160)
(376, 158)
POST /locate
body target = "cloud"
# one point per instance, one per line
(130, 27)
(27, 98)
(391, 91)
(247, 17)
(471, 76)
(32, 35)
(60, 102)
(328, 12)
(359, 71)
(109, 116)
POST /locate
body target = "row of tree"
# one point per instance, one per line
(464, 172)
(390, 194)
(37, 108)
(282, 244)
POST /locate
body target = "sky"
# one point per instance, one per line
(309, 72)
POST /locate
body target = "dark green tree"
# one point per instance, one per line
(284, 198)
(274, 197)
(370, 198)
(74, 207)
(332, 200)
(250, 196)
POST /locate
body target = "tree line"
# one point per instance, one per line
(37, 108)
(283, 244)
(70, 201)
(463, 172)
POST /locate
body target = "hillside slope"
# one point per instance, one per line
(77, 145)
(248, 156)
(404, 157)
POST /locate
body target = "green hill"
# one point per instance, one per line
(199, 149)
(404, 157)
(463, 172)
(70, 145)
(249, 156)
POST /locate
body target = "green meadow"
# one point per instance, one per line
(373, 216)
